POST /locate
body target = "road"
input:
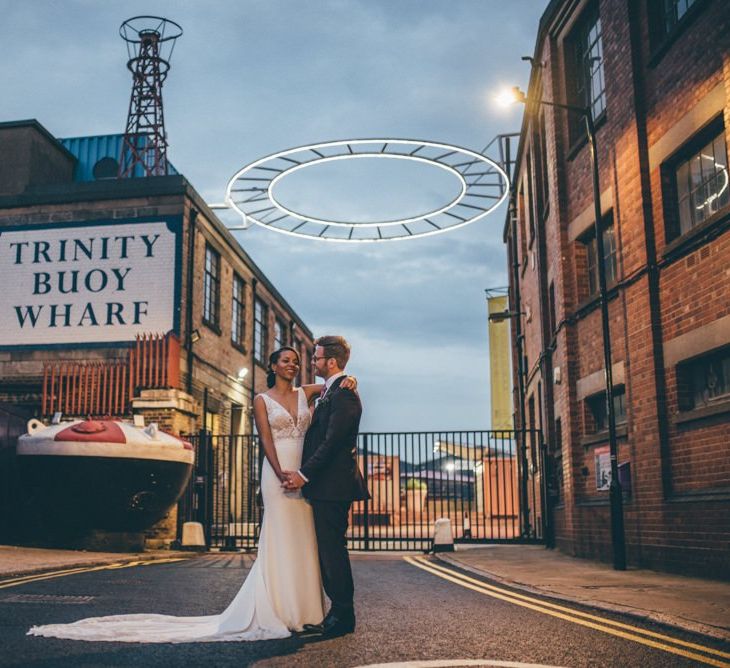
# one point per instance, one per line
(410, 609)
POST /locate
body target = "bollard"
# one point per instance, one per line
(193, 537)
(443, 539)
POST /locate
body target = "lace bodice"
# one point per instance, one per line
(281, 422)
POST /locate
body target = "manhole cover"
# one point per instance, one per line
(47, 598)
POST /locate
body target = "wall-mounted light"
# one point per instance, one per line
(242, 372)
(194, 336)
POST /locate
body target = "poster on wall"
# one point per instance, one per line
(603, 468)
(85, 283)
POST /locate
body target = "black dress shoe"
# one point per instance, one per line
(311, 630)
(331, 627)
(338, 626)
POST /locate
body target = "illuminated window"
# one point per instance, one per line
(702, 184)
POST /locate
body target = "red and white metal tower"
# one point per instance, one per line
(150, 42)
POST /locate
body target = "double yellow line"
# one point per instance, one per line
(49, 575)
(614, 628)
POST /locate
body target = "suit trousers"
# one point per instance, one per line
(330, 525)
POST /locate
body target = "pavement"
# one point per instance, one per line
(16, 561)
(688, 603)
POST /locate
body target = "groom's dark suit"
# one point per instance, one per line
(330, 465)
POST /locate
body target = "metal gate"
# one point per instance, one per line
(489, 484)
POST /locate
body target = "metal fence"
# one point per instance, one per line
(223, 493)
(489, 484)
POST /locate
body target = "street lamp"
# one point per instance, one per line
(615, 494)
(501, 316)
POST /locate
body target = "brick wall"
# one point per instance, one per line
(216, 361)
(678, 513)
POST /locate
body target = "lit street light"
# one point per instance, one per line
(615, 493)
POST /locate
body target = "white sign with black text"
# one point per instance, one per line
(86, 283)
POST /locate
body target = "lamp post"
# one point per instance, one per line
(615, 494)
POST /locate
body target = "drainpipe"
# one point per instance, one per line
(189, 299)
(519, 340)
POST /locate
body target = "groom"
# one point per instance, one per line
(330, 479)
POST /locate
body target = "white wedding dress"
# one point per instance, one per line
(283, 590)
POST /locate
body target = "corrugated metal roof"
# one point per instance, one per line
(90, 151)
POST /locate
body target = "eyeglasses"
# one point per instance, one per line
(315, 358)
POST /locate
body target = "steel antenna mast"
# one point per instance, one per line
(150, 42)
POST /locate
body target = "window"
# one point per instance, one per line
(106, 168)
(585, 78)
(551, 313)
(543, 193)
(260, 331)
(700, 182)
(211, 287)
(238, 312)
(530, 204)
(531, 427)
(599, 410)
(279, 333)
(212, 423)
(609, 256)
(705, 381)
(555, 480)
(666, 15)
(521, 214)
(297, 345)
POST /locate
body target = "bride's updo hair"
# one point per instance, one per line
(273, 360)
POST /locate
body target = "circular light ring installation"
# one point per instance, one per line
(483, 187)
(384, 223)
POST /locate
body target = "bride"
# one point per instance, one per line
(283, 590)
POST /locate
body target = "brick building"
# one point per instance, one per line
(91, 263)
(225, 313)
(656, 76)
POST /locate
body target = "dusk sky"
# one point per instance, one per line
(252, 78)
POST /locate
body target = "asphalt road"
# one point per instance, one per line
(408, 611)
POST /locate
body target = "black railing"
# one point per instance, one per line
(223, 493)
(473, 478)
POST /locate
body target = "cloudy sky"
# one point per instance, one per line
(253, 77)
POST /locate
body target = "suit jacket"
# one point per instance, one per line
(329, 458)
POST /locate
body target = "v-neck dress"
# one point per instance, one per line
(283, 590)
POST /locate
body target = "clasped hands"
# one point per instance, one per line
(291, 481)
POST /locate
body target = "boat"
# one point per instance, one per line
(102, 474)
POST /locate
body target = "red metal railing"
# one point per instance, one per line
(154, 362)
(108, 387)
